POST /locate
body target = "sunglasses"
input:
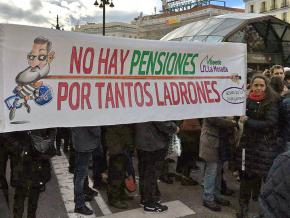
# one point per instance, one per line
(39, 57)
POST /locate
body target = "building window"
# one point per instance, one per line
(284, 3)
(263, 7)
(284, 16)
(273, 5)
(251, 8)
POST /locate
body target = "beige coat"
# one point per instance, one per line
(210, 136)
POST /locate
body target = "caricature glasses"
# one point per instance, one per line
(32, 57)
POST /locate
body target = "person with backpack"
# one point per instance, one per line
(33, 169)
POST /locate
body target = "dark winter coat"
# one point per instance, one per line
(86, 139)
(153, 136)
(285, 118)
(119, 137)
(213, 132)
(260, 136)
(275, 196)
(32, 169)
(2, 139)
(189, 131)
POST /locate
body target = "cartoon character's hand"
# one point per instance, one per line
(243, 119)
(18, 88)
(235, 78)
(36, 93)
(38, 83)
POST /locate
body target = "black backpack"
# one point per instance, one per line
(43, 141)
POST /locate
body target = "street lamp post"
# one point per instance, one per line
(103, 5)
(57, 26)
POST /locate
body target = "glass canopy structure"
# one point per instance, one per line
(267, 37)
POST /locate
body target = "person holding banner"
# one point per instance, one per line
(152, 140)
(85, 140)
(119, 140)
(258, 145)
(3, 164)
(10, 150)
(215, 139)
(33, 169)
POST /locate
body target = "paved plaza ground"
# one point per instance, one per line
(183, 201)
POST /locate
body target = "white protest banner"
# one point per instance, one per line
(53, 78)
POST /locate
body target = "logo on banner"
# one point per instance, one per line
(234, 95)
(29, 87)
(212, 65)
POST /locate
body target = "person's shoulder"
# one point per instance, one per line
(283, 159)
(286, 96)
(286, 154)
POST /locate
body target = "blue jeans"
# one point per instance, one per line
(212, 180)
(80, 174)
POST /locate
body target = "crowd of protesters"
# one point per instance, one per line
(248, 143)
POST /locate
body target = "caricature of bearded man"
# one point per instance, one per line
(39, 59)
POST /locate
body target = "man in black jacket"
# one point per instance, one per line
(275, 196)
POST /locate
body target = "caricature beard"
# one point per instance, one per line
(29, 76)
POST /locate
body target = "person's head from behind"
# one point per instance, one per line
(287, 77)
(277, 71)
(267, 73)
(277, 85)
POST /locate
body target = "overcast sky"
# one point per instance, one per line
(71, 12)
